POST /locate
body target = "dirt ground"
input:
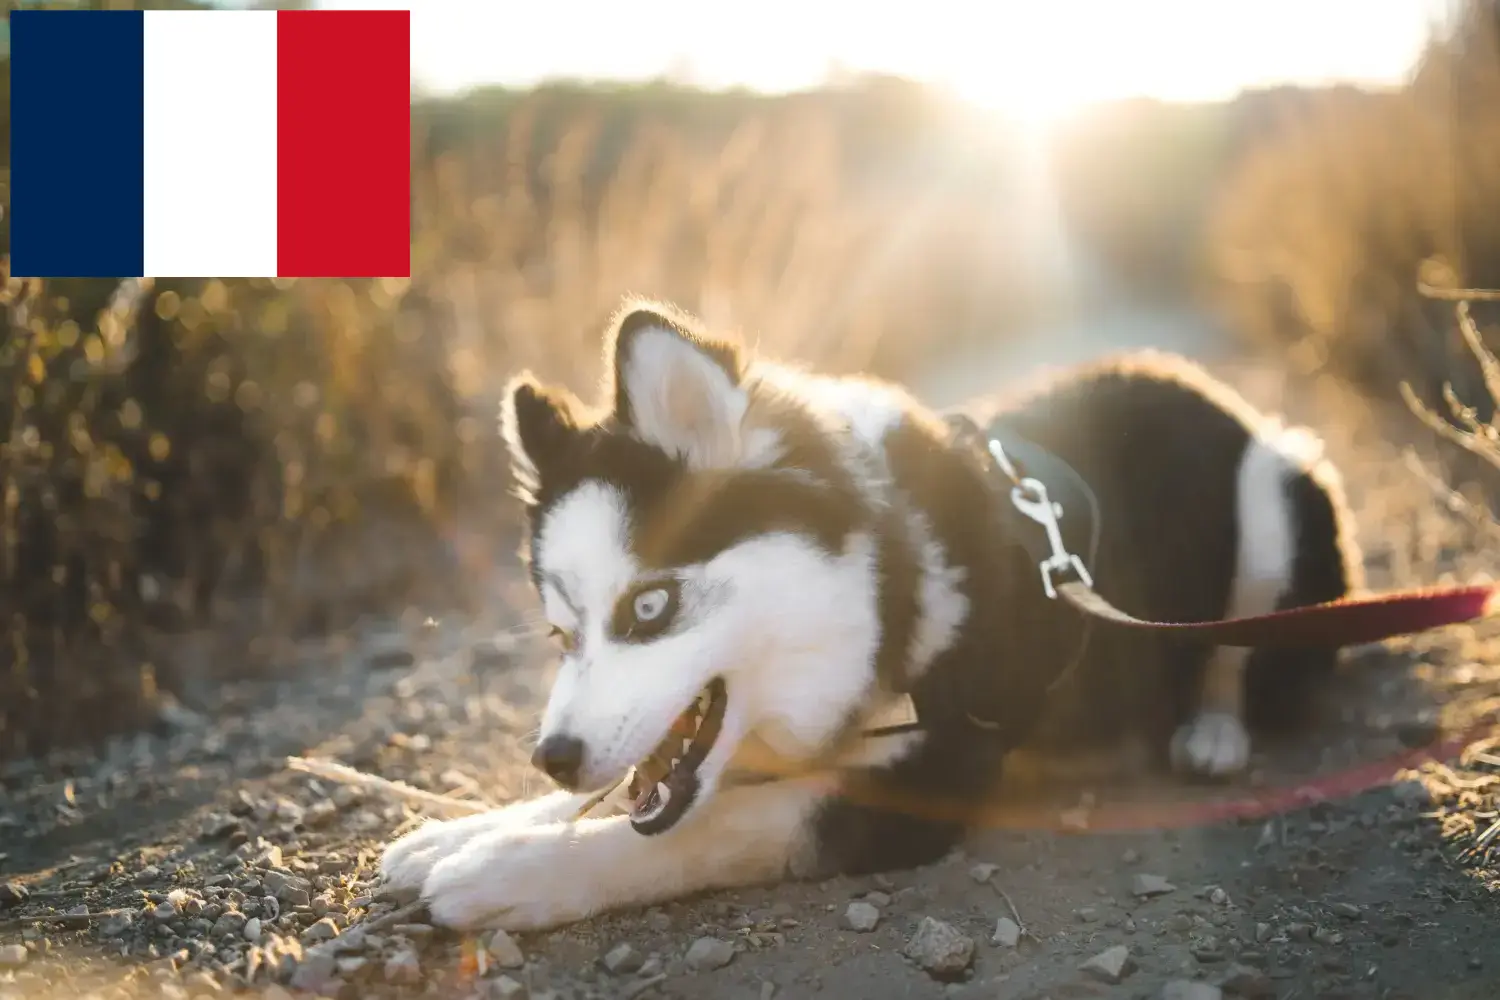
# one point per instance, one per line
(191, 862)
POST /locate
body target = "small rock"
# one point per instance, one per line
(1007, 933)
(1348, 911)
(506, 988)
(294, 897)
(1131, 857)
(289, 889)
(403, 967)
(230, 922)
(1327, 937)
(323, 930)
(414, 932)
(251, 931)
(941, 949)
(1183, 989)
(709, 953)
(1111, 965)
(877, 898)
(1207, 951)
(115, 926)
(1218, 896)
(861, 916)
(12, 956)
(623, 959)
(1248, 982)
(1409, 792)
(313, 972)
(504, 950)
(13, 894)
(1147, 886)
(398, 896)
(983, 871)
(1299, 931)
(1418, 732)
(351, 964)
(390, 658)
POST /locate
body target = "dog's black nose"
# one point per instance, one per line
(561, 757)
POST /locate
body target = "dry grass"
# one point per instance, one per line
(287, 455)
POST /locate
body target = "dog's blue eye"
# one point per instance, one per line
(647, 611)
(650, 605)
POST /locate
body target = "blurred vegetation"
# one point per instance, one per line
(1326, 224)
(272, 459)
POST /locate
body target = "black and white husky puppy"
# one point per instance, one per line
(744, 565)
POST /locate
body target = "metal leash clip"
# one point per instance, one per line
(1030, 497)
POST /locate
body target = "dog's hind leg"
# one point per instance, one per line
(535, 877)
(1216, 742)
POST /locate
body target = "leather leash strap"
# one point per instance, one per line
(1350, 621)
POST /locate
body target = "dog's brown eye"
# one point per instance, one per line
(566, 639)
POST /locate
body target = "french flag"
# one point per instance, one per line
(227, 143)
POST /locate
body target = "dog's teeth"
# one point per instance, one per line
(659, 801)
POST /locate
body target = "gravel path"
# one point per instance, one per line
(191, 862)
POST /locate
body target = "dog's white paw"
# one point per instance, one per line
(518, 879)
(1215, 744)
(407, 862)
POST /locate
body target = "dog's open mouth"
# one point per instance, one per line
(664, 784)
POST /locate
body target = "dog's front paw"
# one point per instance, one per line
(1214, 745)
(407, 862)
(519, 880)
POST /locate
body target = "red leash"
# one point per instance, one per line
(1349, 621)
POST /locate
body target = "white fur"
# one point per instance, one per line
(1216, 743)
(681, 401)
(790, 628)
(532, 872)
(523, 469)
(407, 862)
(942, 604)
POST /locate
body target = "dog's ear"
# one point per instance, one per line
(676, 388)
(540, 426)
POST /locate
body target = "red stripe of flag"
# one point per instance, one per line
(343, 133)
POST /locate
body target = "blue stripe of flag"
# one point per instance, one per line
(77, 138)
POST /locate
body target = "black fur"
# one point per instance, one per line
(679, 515)
(1160, 444)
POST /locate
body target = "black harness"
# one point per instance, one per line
(1032, 488)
